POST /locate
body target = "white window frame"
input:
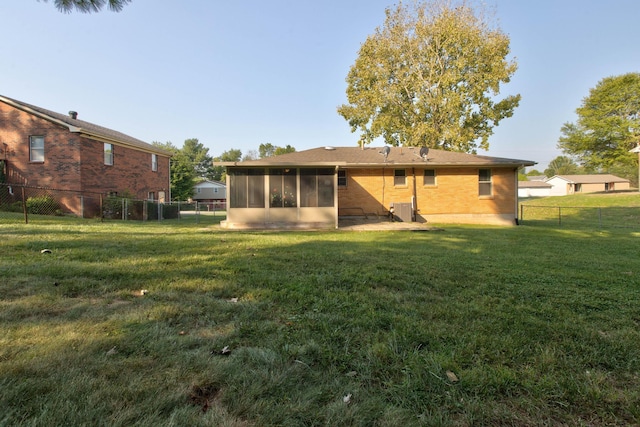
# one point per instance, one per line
(342, 178)
(432, 178)
(485, 183)
(108, 154)
(154, 162)
(36, 149)
(400, 177)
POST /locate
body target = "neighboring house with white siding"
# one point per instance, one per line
(211, 193)
(563, 185)
(534, 189)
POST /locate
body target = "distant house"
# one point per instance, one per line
(314, 188)
(212, 194)
(43, 148)
(535, 188)
(563, 185)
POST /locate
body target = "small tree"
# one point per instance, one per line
(562, 165)
(269, 150)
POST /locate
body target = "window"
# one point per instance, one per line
(399, 177)
(108, 154)
(154, 162)
(198, 190)
(36, 148)
(484, 182)
(342, 178)
(429, 177)
(246, 188)
(282, 188)
(152, 196)
(316, 187)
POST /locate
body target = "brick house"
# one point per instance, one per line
(315, 188)
(42, 148)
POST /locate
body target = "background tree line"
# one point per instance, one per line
(192, 163)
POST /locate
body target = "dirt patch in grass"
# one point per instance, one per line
(208, 397)
(204, 396)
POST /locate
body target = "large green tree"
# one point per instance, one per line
(199, 156)
(88, 6)
(183, 175)
(232, 155)
(608, 126)
(431, 77)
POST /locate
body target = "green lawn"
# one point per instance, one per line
(466, 326)
(591, 210)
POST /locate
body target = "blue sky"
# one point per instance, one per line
(235, 74)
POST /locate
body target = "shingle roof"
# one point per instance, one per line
(534, 184)
(590, 179)
(83, 127)
(373, 157)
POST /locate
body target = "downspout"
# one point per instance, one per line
(335, 196)
(415, 197)
(169, 199)
(517, 196)
(384, 178)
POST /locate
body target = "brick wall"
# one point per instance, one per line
(455, 192)
(74, 162)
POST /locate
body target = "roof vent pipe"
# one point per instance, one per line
(73, 114)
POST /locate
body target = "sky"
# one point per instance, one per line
(237, 74)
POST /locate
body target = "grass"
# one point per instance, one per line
(468, 326)
(600, 210)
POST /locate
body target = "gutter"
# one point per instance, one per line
(79, 130)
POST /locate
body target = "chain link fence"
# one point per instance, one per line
(577, 217)
(25, 204)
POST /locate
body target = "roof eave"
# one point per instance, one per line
(109, 140)
(370, 165)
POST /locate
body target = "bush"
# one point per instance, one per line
(11, 207)
(112, 207)
(43, 205)
(170, 212)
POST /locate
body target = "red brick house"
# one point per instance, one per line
(42, 148)
(314, 188)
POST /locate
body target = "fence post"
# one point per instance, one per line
(24, 207)
(600, 217)
(521, 212)
(559, 215)
(101, 209)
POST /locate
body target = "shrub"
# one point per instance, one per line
(43, 205)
